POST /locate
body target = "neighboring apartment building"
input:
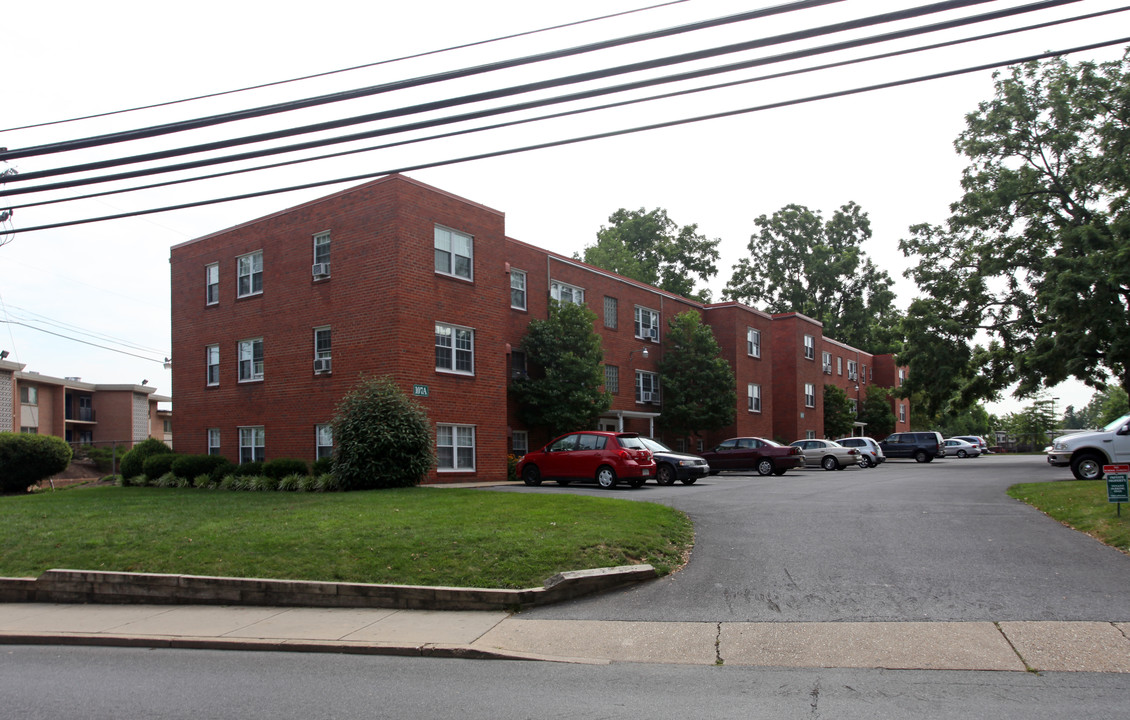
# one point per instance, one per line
(276, 319)
(81, 413)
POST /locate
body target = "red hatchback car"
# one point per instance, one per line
(607, 457)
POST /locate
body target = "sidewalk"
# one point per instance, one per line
(1004, 646)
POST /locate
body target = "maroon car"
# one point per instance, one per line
(753, 453)
(607, 457)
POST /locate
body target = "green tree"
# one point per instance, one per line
(564, 391)
(839, 418)
(1105, 407)
(800, 262)
(1029, 427)
(974, 420)
(877, 413)
(382, 437)
(1036, 253)
(133, 462)
(648, 246)
(27, 459)
(698, 383)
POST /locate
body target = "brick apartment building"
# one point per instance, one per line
(275, 320)
(81, 413)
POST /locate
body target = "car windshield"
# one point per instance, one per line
(1111, 427)
(654, 445)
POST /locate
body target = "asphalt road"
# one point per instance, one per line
(902, 542)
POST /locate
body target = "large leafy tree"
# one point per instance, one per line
(1035, 257)
(648, 246)
(698, 383)
(800, 262)
(839, 418)
(876, 412)
(564, 391)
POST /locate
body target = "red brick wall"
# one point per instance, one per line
(791, 370)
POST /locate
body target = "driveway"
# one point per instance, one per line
(901, 542)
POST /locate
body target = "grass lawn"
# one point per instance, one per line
(411, 536)
(1080, 504)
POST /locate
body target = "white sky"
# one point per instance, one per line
(890, 151)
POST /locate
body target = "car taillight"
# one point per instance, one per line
(795, 451)
(853, 451)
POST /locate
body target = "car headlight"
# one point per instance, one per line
(1059, 447)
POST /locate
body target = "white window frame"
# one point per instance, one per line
(212, 365)
(323, 352)
(213, 441)
(902, 376)
(252, 438)
(31, 393)
(902, 412)
(252, 371)
(647, 324)
(810, 395)
(854, 406)
(212, 284)
(454, 439)
(863, 374)
(323, 441)
(652, 381)
(839, 365)
(753, 342)
(249, 269)
(809, 347)
(809, 434)
(611, 312)
(455, 335)
(517, 289)
(520, 442)
(826, 362)
(566, 293)
(322, 248)
(853, 370)
(448, 254)
(753, 397)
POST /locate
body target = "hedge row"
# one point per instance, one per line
(325, 482)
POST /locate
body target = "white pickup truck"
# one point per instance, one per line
(1087, 452)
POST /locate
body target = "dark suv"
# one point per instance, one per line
(922, 446)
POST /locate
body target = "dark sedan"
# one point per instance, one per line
(671, 465)
(753, 453)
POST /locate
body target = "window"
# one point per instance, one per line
(322, 255)
(902, 412)
(809, 434)
(453, 253)
(520, 443)
(323, 353)
(809, 347)
(323, 441)
(839, 366)
(809, 395)
(647, 387)
(518, 364)
(250, 274)
(852, 374)
(212, 362)
(212, 283)
(753, 395)
(854, 406)
(29, 394)
(611, 306)
(252, 441)
(167, 425)
(455, 351)
(566, 293)
(26, 430)
(902, 376)
(753, 342)
(612, 379)
(647, 324)
(517, 289)
(251, 360)
(213, 441)
(826, 361)
(455, 447)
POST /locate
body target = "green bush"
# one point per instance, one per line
(322, 466)
(102, 457)
(192, 466)
(27, 459)
(383, 438)
(133, 462)
(157, 465)
(290, 483)
(249, 469)
(279, 468)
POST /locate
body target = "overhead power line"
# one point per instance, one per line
(84, 342)
(511, 91)
(168, 128)
(414, 56)
(824, 49)
(587, 138)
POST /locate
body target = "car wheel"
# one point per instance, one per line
(606, 477)
(962, 453)
(665, 475)
(636, 482)
(870, 461)
(1087, 467)
(922, 456)
(864, 462)
(531, 475)
(688, 481)
(564, 481)
(829, 463)
(779, 471)
(765, 466)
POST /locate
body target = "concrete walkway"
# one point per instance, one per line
(1003, 646)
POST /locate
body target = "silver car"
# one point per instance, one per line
(827, 454)
(870, 454)
(961, 448)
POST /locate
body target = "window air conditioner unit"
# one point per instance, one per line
(646, 396)
(320, 270)
(653, 333)
(322, 365)
(827, 369)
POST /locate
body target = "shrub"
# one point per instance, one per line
(383, 438)
(326, 483)
(205, 482)
(263, 483)
(290, 483)
(27, 459)
(103, 457)
(228, 482)
(279, 468)
(157, 465)
(133, 462)
(191, 466)
(168, 480)
(248, 469)
(322, 466)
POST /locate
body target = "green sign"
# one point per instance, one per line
(1116, 489)
(420, 390)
